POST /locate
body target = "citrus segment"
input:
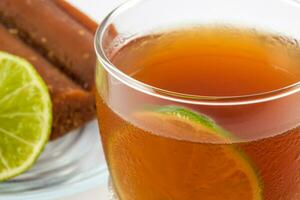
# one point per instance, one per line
(157, 166)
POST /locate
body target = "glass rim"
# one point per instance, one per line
(171, 95)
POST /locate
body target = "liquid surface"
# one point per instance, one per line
(211, 62)
(154, 157)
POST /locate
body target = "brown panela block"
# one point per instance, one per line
(58, 41)
(56, 34)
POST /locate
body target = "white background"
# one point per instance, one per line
(97, 9)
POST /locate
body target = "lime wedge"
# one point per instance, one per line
(193, 158)
(183, 124)
(25, 115)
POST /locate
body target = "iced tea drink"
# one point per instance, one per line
(201, 113)
(162, 149)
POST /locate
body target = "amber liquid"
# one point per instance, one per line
(146, 163)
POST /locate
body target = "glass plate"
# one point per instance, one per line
(69, 165)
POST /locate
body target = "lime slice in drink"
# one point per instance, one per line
(183, 124)
(180, 154)
(25, 115)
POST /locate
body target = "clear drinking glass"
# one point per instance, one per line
(152, 154)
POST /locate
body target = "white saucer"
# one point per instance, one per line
(70, 165)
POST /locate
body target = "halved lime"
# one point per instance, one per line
(177, 153)
(25, 115)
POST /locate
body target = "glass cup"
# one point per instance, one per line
(147, 162)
